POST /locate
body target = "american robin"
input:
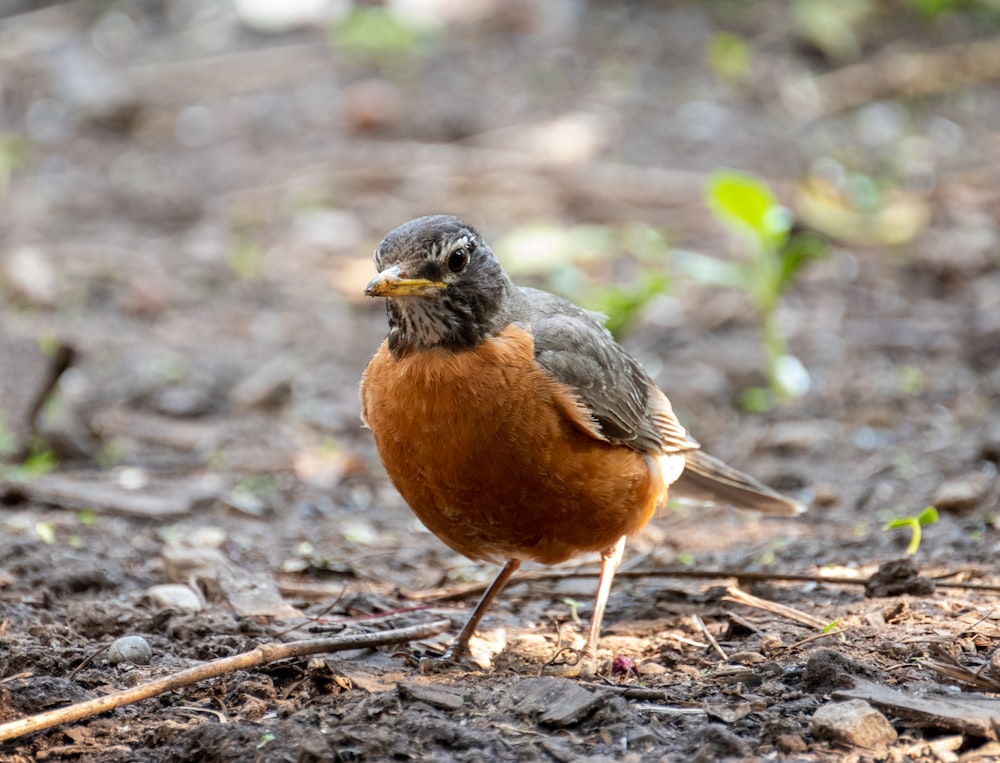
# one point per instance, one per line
(514, 425)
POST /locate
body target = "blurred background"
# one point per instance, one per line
(787, 210)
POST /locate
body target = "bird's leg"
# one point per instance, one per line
(459, 648)
(610, 559)
(585, 665)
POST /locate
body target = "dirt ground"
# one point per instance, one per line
(189, 207)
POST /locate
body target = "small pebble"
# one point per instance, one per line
(855, 723)
(961, 494)
(746, 658)
(771, 644)
(651, 669)
(640, 736)
(30, 274)
(174, 596)
(134, 649)
(791, 743)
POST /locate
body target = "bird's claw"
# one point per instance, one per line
(572, 663)
(452, 660)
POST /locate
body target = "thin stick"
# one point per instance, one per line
(711, 639)
(262, 655)
(460, 592)
(817, 637)
(789, 613)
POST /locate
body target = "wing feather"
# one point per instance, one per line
(573, 346)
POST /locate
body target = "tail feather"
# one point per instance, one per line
(706, 478)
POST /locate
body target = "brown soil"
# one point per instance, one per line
(193, 212)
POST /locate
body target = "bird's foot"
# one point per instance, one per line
(572, 663)
(453, 659)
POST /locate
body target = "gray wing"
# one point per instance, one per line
(575, 348)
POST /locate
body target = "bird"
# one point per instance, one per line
(515, 426)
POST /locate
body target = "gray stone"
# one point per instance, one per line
(855, 723)
(134, 649)
(961, 493)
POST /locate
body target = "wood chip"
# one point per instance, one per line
(174, 500)
(443, 697)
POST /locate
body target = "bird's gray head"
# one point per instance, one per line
(444, 287)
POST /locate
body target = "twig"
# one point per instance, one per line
(711, 639)
(952, 668)
(789, 613)
(817, 637)
(911, 74)
(474, 589)
(262, 655)
(317, 617)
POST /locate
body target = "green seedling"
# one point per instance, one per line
(245, 259)
(12, 153)
(111, 454)
(776, 257)
(574, 609)
(910, 380)
(621, 304)
(39, 462)
(381, 36)
(832, 625)
(926, 517)
(566, 259)
(836, 29)
(728, 56)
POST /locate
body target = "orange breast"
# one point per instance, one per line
(494, 456)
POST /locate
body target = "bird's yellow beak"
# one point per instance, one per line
(389, 283)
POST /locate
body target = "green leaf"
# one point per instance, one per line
(39, 463)
(757, 399)
(748, 206)
(914, 524)
(621, 304)
(245, 259)
(48, 343)
(376, 32)
(928, 516)
(728, 57)
(799, 250)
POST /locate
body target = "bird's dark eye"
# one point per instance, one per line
(458, 259)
